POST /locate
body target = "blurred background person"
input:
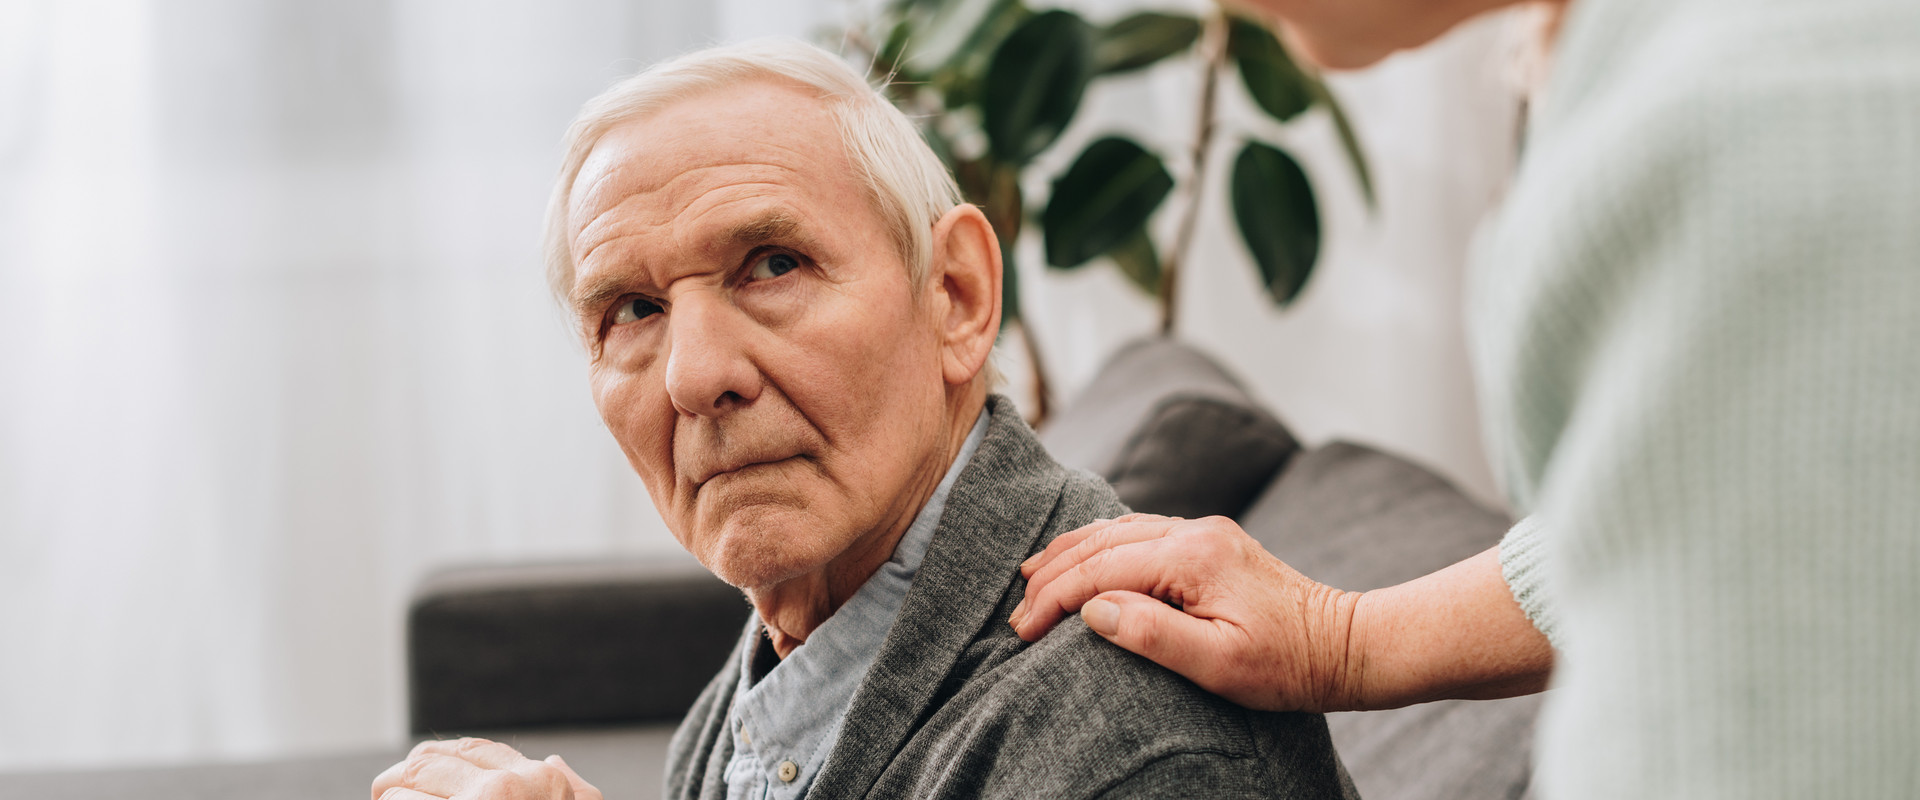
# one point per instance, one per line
(1696, 364)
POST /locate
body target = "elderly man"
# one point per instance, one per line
(788, 316)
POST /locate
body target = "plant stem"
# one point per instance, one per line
(1040, 389)
(1213, 56)
(1004, 198)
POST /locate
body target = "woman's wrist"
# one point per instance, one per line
(1456, 633)
(1337, 667)
(1389, 668)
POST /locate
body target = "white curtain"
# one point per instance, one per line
(273, 337)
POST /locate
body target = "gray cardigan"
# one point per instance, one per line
(957, 706)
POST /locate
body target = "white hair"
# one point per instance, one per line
(908, 184)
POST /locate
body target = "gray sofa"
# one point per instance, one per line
(1344, 514)
(598, 661)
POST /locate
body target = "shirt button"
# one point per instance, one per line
(789, 771)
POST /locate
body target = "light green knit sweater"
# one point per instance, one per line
(1698, 343)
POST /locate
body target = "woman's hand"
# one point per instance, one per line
(1356, 33)
(477, 769)
(1203, 599)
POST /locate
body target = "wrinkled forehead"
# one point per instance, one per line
(767, 133)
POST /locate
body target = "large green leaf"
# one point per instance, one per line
(1005, 206)
(1009, 287)
(943, 149)
(1273, 202)
(1034, 84)
(1105, 197)
(893, 52)
(1349, 140)
(1139, 261)
(1276, 83)
(961, 80)
(1142, 39)
(947, 30)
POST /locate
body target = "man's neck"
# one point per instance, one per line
(792, 609)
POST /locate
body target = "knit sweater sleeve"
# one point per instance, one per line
(1522, 555)
(1704, 364)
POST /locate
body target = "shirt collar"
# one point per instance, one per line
(793, 714)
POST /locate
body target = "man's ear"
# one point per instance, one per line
(965, 273)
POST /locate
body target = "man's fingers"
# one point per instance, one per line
(1138, 567)
(442, 768)
(393, 776)
(428, 771)
(441, 776)
(404, 793)
(1072, 538)
(581, 789)
(1159, 632)
(561, 763)
(479, 752)
(476, 768)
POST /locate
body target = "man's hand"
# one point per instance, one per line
(477, 769)
(1203, 599)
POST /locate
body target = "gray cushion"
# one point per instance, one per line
(565, 644)
(1172, 431)
(1357, 518)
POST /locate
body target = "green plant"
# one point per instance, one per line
(996, 82)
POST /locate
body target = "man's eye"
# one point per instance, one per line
(773, 265)
(634, 310)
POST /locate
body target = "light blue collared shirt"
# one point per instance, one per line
(784, 724)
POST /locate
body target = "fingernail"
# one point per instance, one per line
(1031, 560)
(1019, 613)
(1103, 616)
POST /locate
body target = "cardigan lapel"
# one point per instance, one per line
(708, 775)
(995, 513)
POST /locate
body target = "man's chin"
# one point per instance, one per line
(762, 555)
(750, 571)
(756, 540)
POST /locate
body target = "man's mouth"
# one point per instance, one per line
(736, 467)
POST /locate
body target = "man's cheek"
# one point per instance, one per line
(642, 426)
(650, 454)
(655, 467)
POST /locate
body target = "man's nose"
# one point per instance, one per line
(708, 369)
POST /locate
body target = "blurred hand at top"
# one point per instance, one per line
(1349, 34)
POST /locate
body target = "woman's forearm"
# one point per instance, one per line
(1457, 633)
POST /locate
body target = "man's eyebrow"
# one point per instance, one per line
(772, 227)
(596, 293)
